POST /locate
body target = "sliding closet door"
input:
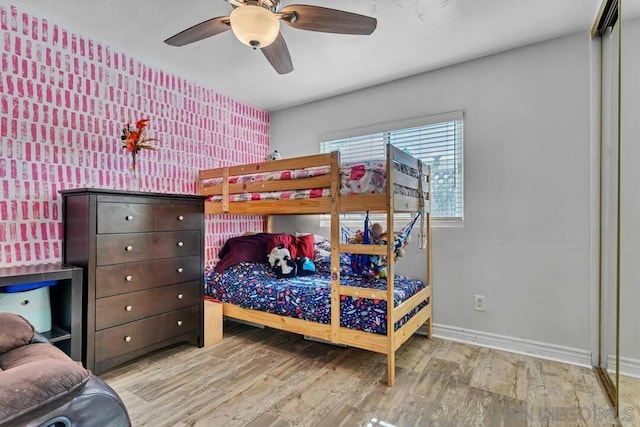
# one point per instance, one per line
(609, 236)
(607, 365)
(629, 384)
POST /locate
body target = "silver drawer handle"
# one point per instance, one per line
(180, 269)
(181, 244)
(179, 322)
(128, 278)
(128, 248)
(128, 308)
(127, 338)
(180, 218)
(129, 217)
(180, 296)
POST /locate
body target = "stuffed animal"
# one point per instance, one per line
(375, 233)
(305, 266)
(274, 155)
(399, 242)
(281, 262)
(357, 238)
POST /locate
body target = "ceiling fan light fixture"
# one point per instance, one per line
(254, 26)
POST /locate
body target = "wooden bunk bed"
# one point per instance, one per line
(334, 204)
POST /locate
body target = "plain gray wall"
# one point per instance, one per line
(526, 239)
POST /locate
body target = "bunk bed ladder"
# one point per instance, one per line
(391, 349)
(335, 247)
(426, 220)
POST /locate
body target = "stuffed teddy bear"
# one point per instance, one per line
(375, 234)
(281, 262)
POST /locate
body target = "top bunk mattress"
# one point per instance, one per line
(368, 177)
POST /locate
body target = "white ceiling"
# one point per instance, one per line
(412, 36)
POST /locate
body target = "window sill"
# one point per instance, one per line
(447, 223)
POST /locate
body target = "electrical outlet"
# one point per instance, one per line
(479, 303)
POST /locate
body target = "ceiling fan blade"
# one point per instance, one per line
(316, 18)
(277, 53)
(200, 31)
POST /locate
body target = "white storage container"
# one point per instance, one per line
(33, 305)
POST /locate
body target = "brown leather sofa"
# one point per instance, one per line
(41, 386)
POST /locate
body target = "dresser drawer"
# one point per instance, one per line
(136, 335)
(119, 248)
(136, 276)
(123, 308)
(116, 217)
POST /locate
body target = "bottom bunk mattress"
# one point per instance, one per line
(254, 286)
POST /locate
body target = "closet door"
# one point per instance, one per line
(608, 308)
(629, 356)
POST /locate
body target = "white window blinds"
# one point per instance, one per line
(439, 143)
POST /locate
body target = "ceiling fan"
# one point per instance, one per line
(256, 23)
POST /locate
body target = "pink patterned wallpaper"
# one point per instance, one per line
(64, 99)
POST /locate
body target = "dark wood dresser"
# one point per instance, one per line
(143, 261)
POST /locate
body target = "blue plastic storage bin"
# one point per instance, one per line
(31, 301)
(28, 286)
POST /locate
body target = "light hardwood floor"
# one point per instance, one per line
(629, 401)
(259, 377)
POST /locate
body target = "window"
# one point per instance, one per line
(437, 142)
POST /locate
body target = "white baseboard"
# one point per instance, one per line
(628, 366)
(558, 353)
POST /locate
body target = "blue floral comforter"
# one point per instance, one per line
(254, 286)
